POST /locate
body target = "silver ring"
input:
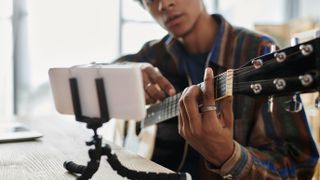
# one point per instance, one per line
(148, 85)
(208, 108)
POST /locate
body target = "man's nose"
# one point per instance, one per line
(165, 4)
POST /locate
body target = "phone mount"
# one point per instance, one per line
(86, 172)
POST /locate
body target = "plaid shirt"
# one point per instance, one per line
(275, 145)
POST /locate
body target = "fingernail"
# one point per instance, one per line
(209, 72)
(171, 92)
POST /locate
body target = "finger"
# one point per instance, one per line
(158, 78)
(155, 92)
(148, 99)
(185, 127)
(146, 79)
(208, 91)
(180, 108)
(192, 110)
(180, 124)
(227, 112)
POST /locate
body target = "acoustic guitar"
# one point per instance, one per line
(290, 71)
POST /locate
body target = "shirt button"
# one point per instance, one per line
(227, 177)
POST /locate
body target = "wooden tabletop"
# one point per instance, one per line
(63, 139)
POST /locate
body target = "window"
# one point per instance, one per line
(64, 33)
(6, 65)
(137, 27)
(246, 13)
(61, 33)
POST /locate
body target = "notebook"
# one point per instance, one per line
(15, 131)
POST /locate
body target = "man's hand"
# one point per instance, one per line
(208, 132)
(156, 86)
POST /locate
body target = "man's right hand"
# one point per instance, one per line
(156, 86)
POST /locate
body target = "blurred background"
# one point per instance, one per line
(39, 34)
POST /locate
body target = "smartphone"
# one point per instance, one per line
(122, 83)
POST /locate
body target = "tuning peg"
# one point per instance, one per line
(270, 104)
(317, 101)
(293, 105)
(280, 57)
(306, 49)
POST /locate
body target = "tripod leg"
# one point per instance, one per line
(91, 168)
(138, 175)
(73, 167)
(92, 165)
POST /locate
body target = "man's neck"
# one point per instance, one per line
(202, 36)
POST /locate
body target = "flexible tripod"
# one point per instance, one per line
(95, 153)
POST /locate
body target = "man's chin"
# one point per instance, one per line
(178, 34)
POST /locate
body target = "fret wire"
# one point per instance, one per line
(172, 106)
(163, 109)
(169, 107)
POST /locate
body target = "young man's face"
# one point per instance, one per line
(178, 17)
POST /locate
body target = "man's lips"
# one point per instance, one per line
(173, 20)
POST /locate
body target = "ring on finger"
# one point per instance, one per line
(148, 86)
(204, 109)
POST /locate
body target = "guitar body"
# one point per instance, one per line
(142, 143)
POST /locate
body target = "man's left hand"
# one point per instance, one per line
(207, 131)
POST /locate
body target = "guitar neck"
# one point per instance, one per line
(168, 108)
(160, 112)
(287, 71)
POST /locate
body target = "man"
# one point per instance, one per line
(238, 139)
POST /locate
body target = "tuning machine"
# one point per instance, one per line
(293, 105)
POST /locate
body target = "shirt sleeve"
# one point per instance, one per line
(280, 147)
(238, 165)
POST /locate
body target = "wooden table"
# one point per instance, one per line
(63, 139)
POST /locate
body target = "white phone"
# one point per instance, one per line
(123, 88)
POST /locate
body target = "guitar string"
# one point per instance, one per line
(240, 70)
(239, 73)
(172, 107)
(245, 69)
(173, 104)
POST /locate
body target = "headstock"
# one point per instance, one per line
(288, 71)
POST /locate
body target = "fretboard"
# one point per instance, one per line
(157, 113)
(168, 108)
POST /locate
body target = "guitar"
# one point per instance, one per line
(290, 71)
